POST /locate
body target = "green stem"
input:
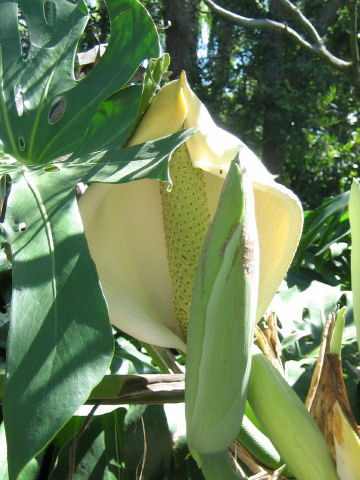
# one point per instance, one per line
(163, 359)
(217, 466)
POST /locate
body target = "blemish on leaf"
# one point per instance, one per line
(19, 102)
(21, 144)
(7, 250)
(57, 110)
(22, 227)
(5, 187)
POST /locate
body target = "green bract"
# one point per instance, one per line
(54, 132)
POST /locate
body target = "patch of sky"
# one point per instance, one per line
(352, 118)
(92, 3)
(263, 5)
(203, 41)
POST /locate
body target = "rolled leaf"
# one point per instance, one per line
(222, 320)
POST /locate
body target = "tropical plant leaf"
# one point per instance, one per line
(323, 253)
(44, 111)
(54, 133)
(152, 77)
(96, 453)
(119, 444)
(60, 342)
(302, 315)
(147, 442)
(31, 472)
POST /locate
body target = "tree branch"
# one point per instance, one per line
(317, 48)
(300, 18)
(149, 389)
(134, 389)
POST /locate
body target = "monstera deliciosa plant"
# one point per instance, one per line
(189, 263)
(54, 132)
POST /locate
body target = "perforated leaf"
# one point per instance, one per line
(44, 110)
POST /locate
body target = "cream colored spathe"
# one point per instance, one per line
(124, 223)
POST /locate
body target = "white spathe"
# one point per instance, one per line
(124, 224)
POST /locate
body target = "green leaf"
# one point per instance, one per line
(97, 451)
(323, 252)
(111, 124)
(147, 439)
(31, 472)
(301, 315)
(184, 466)
(60, 343)
(115, 445)
(44, 111)
(153, 74)
(128, 359)
(148, 160)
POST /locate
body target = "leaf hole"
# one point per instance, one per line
(21, 144)
(19, 102)
(57, 110)
(50, 13)
(23, 34)
(22, 227)
(51, 168)
(5, 187)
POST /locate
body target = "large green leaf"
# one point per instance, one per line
(60, 341)
(55, 132)
(323, 253)
(302, 315)
(44, 110)
(31, 472)
(147, 442)
(119, 444)
(97, 452)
